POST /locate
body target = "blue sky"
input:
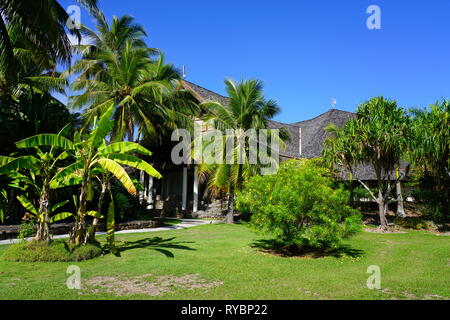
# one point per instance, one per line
(305, 52)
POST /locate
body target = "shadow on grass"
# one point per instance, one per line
(275, 248)
(156, 243)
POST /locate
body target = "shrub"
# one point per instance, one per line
(57, 250)
(26, 229)
(127, 206)
(430, 204)
(416, 223)
(300, 206)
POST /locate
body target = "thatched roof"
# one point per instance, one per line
(202, 94)
(306, 137)
(313, 133)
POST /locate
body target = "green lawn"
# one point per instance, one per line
(219, 262)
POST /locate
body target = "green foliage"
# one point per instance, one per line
(430, 151)
(430, 202)
(92, 159)
(298, 206)
(360, 192)
(118, 67)
(247, 109)
(379, 135)
(56, 251)
(122, 205)
(26, 229)
(40, 25)
(416, 223)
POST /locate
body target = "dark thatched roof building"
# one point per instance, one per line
(306, 137)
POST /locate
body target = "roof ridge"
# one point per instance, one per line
(320, 115)
(189, 83)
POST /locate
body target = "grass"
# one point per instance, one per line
(232, 266)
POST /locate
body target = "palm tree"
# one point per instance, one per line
(246, 109)
(42, 23)
(110, 36)
(28, 107)
(118, 68)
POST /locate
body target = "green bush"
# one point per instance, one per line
(26, 229)
(416, 223)
(127, 206)
(57, 250)
(300, 206)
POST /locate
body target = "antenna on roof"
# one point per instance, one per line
(184, 72)
(333, 103)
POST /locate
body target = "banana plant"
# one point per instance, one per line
(93, 153)
(42, 164)
(35, 214)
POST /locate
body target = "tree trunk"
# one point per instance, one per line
(382, 206)
(231, 206)
(79, 229)
(351, 187)
(400, 204)
(93, 228)
(43, 229)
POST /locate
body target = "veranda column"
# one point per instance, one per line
(195, 206)
(150, 192)
(184, 190)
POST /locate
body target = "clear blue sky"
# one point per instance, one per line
(306, 52)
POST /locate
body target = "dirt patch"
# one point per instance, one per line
(144, 284)
(313, 294)
(378, 230)
(411, 296)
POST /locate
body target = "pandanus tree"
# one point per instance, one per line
(380, 134)
(247, 109)
(343, 150)
(430, 148)
(116, 67)
(45, 165)
(91, 154)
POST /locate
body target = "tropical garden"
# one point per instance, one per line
(79, 163)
